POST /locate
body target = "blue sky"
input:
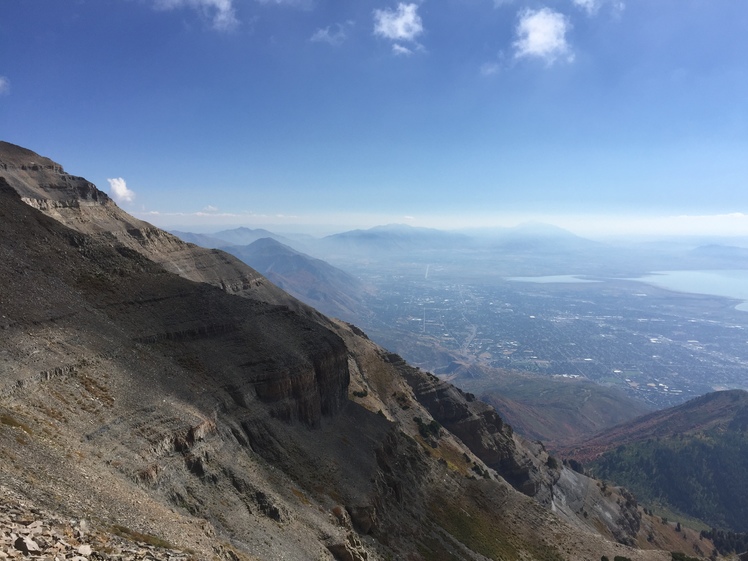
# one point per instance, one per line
(323, 115)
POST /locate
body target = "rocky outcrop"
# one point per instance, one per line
(526, 465)
(28, 532)
(305, 392)
(483, 431)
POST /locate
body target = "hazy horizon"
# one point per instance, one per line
(597, 228)
(603, 117)
(694, 237)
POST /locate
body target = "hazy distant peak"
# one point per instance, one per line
(245, 236)
(396, 227)
(525, 229)
(399, 230)
(243, 230)
(542, 228)
(272, 244)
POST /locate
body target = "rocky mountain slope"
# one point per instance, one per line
(174, 396)
(78, 204)
(691, 459)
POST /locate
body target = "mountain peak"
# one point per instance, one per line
(12, 154)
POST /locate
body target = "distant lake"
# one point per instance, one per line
(551, 278)
(729, 283)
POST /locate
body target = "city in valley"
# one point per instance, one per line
(659, 346)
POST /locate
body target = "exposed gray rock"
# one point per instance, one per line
(26, 545)
(29, 532)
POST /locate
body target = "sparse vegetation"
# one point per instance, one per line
(477, 533)
(428, 430)
(402, 400)
(96, 390)
(11, 421)
(134, 535)
(575, 465)
(480, 471)
(677, 556)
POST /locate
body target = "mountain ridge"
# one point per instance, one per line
(707, 412)
(326, 288)
(691, 459)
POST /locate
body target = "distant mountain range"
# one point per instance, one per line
(692, 458)
(523, 250)
(393, 240)
(313, 281)
(226, 238)
(720, 256)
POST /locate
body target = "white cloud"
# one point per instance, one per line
(220, 12)
(335, 38)
(542, 34)
(490, 68)
(400, 50)
(210, 208)
(306, 4)
(593, 6)
(499, 3)
(4, 85)
(119, 190)
(401, 24)
(589, 6)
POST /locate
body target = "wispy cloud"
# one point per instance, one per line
(333, 36)
(490, 68)
(589, 6)
(221, 13)
(306, 4)
(593, 6)
(4, 85)
(401, 24)
(119, 190)
(542, 34)
(398, 49)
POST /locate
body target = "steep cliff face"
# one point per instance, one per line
(236, 428)
(482, 430)
(526, 465)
